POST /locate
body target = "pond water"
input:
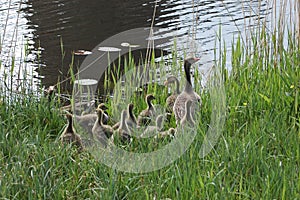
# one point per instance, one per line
(39, 28)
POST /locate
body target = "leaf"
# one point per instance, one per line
(267, 99)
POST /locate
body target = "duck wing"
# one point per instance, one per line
(179, 105)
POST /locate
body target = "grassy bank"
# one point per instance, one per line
(257, 156)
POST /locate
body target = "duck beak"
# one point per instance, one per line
(166, 83)
(196, 59)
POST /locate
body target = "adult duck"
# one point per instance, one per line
(172, 98)
(69, 136)
(187, 93)
(144, 117)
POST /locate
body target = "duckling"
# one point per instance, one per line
(99, 126)
(122, 131)
(188, 92)
(152, 130)
(144, 117)
(101, 131)
(69, 135)
(172, 98)
(130, 120)
(169, 133)
(187, 118)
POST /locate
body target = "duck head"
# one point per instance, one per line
(187, 69)
(191, 60)
(172, 131)
(150, 97)
(102, 106)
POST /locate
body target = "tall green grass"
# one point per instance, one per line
(257, 157)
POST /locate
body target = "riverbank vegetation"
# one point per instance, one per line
(256, 157)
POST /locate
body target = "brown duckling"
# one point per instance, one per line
(172, 98)
(69, 136)
(144, 117)
(187, 93)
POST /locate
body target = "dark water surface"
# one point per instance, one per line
(78, 24)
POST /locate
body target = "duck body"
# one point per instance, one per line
(179, 105)
(187, 94)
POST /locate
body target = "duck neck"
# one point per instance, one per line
(131, 115)
(100, 118)
(188, 83)
(150, 106)
(70, 124)
(122, 123)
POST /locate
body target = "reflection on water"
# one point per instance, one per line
(83, 24)
(80, 25)
(15, 34)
